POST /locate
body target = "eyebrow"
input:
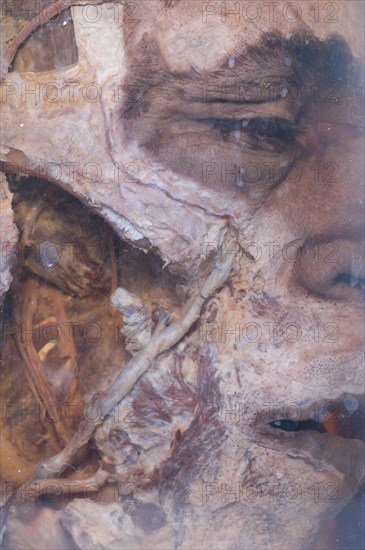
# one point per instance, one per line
(269, 67)
(273, 64)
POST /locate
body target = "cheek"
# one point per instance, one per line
(265, 346)
(324, 193)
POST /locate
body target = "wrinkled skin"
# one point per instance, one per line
(214, 472)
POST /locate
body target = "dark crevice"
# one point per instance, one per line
(293, 426)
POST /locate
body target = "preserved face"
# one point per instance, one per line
(265, 119)
(248, 117)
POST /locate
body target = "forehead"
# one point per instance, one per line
(201, 34)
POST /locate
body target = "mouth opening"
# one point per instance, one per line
(297, 426)
(344, 418)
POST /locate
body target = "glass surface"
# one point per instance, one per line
(182, 274)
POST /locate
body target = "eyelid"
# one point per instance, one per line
(204, 111)
(289, 130)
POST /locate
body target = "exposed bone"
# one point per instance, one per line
(137, 319)
(9, 235)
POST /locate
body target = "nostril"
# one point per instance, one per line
(350, 280)
(332, 271)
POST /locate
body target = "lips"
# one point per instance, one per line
(328, 435)
(343, 417)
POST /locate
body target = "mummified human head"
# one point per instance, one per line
(243, 117)
(262, 111)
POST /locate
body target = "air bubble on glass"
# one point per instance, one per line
(351, 403)
(48, 254)
(288, 61)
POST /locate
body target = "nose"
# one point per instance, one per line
(333, 269)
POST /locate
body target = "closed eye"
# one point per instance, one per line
(261, 128)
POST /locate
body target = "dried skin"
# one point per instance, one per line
(9, 235)
(185, 422)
